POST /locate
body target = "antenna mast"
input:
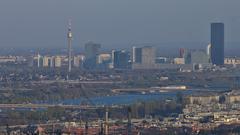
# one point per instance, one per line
(69, 36)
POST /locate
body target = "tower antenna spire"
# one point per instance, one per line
(69, 36)
(69, 25)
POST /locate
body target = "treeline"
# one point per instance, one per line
(53, 92)
(156, 109)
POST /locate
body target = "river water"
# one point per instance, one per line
(123, 99)
(120, 99)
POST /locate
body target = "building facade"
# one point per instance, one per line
(91, 53)
(120, 59)
(144, 57)
(217, 43)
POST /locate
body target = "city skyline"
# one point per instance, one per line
(140, 22)
(130, 67)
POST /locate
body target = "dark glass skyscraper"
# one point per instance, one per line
(137, 55)
(217, 43)
(121, 59)
(91, 53)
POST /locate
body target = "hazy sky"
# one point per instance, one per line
(36, 23)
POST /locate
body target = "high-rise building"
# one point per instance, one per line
(178, 61)
(104, 61)
(46, 61)
(187, 56)
(148, 55)
(120, 59)
(144, 55)
(195, 57)
(217, 43)
(76, 61)
(181, 52)
(137, 55)
(161, 60)
(91, 53)
(199, 57)
(104, 58)
(57, 62)
(51, 61)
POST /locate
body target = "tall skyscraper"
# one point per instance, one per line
(120, 59)
(148, 55)
(137, 55)
(91, 53)
(144, 55)
(69, 36)
(199, 57)
(187, 56)
(181, 52)
(217, 43)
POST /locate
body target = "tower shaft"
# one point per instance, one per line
(69, 54)
(69, 36)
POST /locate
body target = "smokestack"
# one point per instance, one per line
(129, 126)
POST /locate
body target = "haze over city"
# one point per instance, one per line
(117, 24)
(126, 67)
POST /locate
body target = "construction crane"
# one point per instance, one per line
(85, 95)
(106, 123)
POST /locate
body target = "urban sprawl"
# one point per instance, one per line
(129, 92)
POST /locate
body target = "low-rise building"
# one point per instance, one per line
(205, 99)
(179, 61)
(232, 61)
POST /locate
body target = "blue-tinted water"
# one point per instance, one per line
(120, 99)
